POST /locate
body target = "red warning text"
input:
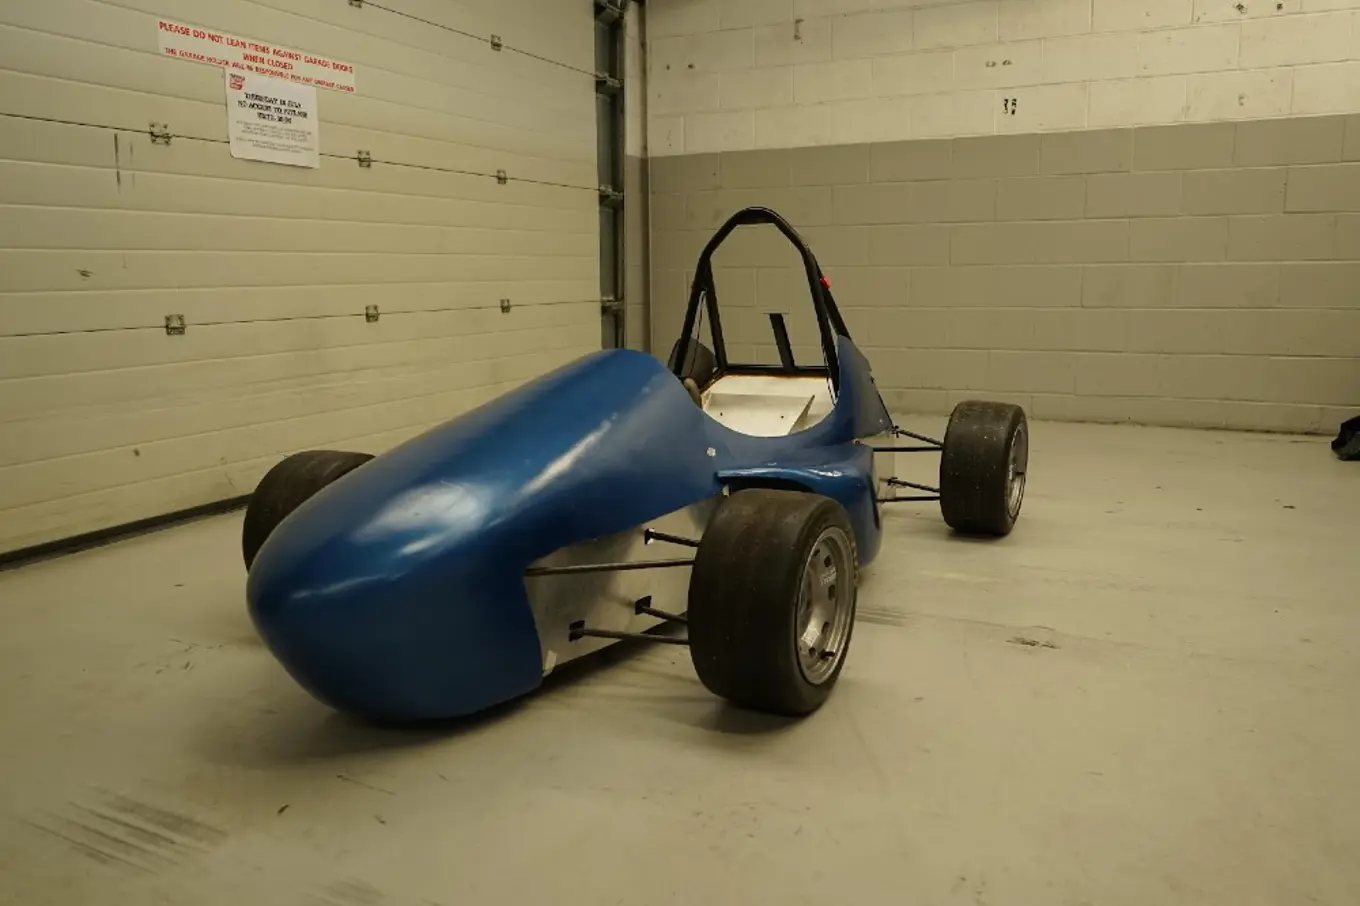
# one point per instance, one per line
(214, 48)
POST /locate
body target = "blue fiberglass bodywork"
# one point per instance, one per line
(398, 592)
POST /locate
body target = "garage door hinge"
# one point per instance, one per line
(610, 196)
(160, 133)
(607, 84)
(502, 177)
(496, 42)
(505, 306)
(174, 325)
(609, 304)
(609, 11)
(370, 313)
(364, 158)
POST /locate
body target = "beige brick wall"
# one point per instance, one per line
(1202, 274)
(729, 75)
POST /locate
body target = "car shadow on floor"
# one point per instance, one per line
(295, 729)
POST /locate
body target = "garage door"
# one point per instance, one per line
(173, 319)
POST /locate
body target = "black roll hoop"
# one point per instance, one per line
(829, 321)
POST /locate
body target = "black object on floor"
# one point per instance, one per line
(1347, 443)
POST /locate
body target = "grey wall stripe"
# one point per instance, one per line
(1203, 274)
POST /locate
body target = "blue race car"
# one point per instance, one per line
(456, 570)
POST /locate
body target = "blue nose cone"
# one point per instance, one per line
(413, 610)
(398, 591)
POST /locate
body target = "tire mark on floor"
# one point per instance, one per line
(883, 616)
(347, 892)
(117, 830)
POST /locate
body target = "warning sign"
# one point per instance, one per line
(272, 120)
(232, 52)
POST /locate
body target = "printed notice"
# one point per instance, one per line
(272, 120)
(231, 52)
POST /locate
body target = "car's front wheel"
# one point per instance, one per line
(772, 600)
(286, 487)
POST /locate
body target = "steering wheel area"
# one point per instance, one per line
(698, 370)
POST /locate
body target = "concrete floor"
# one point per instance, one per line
(1149, 694)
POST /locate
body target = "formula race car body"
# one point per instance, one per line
(457, 569)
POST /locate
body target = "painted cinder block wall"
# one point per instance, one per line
(1142, 210)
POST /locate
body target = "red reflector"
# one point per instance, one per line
(826, 282)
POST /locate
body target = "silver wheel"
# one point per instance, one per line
(772, 600)
(826, 606)
(1016, 468)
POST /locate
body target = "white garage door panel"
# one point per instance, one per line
(122, 393)
(88, 474)
(66, 63)
(106, 419)
(370, 38)
(34, 227)
(282, 427)
(61, 185)
(26, 270)
(82, 62)
(105, 350)
(411, 121)
(26, 95)
(22, 314)
(550, 30)
(226, 474)
(30, 525)
(414, 151)
(80, 471)
(482, 84)
(512, 76)
(36, 141)
(167, 411)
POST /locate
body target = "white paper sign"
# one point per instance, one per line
(272, 120)
(215, 48)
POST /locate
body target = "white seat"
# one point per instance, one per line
(759, 415)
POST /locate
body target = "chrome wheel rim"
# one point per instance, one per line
(826, 607)
(1016, 467)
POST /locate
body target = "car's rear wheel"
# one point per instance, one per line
(772, 600)
(286, 487)
(983, 467)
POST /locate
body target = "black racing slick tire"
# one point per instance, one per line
(772, 600)
(983, 467)
(286, 486)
